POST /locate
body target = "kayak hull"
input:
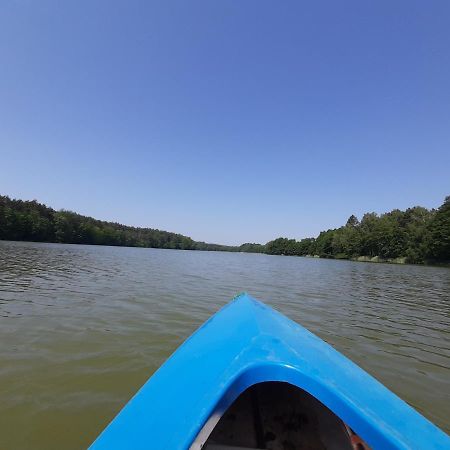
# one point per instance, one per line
(247, 343)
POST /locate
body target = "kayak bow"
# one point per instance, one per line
(247, 344)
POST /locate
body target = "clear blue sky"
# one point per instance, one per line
(226, 120)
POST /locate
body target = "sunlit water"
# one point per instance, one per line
(82, 327)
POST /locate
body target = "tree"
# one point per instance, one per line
(352, 221)
(438, 248)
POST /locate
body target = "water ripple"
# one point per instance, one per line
(81, 328)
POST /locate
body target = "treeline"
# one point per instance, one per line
(33, 221)
(417, 235)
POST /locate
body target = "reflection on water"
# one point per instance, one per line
(81, 328)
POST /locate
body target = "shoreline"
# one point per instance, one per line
(364, 259)
(402, 260)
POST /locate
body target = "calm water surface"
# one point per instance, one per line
(81, 328)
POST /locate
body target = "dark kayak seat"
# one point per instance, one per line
(278, 416)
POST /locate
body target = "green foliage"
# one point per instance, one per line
(252, 248)
(214, 247)
(21, 220)
(352, 221)
(32, 221)
(417, 234)
(346, 241)
(438, 238)
(281, 246)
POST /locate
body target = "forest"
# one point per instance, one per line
(416, 235)
(32, 221)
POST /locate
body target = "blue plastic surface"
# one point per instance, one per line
(246, 343)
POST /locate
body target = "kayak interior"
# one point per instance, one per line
(277, 416)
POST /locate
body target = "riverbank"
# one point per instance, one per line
(373, 259)
(377, 259)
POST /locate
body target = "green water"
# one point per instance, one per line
(81, 328)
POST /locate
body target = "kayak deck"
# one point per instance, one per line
(247, 343)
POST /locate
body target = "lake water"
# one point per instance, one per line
(83, 327)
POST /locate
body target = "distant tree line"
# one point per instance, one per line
(417, 235)
(32, 221)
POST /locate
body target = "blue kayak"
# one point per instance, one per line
(250, 378)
